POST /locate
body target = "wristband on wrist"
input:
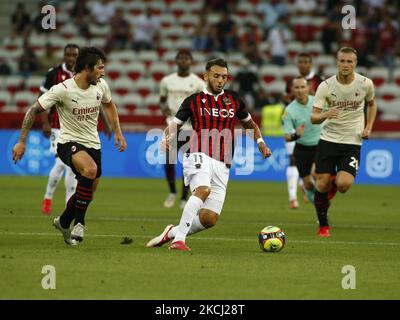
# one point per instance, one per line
(294, 136)
(260, 140)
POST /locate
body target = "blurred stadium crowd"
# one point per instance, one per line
(259, 38)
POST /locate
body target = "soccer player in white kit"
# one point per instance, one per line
(174, 88)
(78, 101)
(206, 164)
(343, 129)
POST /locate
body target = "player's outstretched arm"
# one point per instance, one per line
(107, 125)
(262, 146)
(112, 113)
(29, 119)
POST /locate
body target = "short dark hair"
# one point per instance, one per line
(304, 55)
(88, 58)
(299, 78)
(185, 52)
(216, 62)
(71, 45)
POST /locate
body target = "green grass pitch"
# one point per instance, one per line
(225, 262)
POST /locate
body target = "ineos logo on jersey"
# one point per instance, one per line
(223, 113)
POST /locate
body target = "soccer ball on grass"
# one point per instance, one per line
(271, 239)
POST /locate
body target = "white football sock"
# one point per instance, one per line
(70, 183)
(192, 206)
(292, 176)
(194, 228)
(55, 176)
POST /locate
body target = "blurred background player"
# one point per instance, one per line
(51, 128)
(306, 135)
(305, 67)
(78, 100)
(174, 88)
(206, 166)
(343, 129)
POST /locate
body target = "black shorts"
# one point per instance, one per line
(66, 150)
(182, 138)
(305, 157)
(334, 157)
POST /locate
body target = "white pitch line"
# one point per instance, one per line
(141, 219)
(203, 238)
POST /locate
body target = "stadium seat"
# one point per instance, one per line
(24, 99)
(99, 31)
(276, 87)
(33, 84)
(396, 76)
(289, 72)
(174, 32)
(132, 101)
(123, 86)
(135, 70)
(13, 83)
(314, 48)
(68, 31)
(390, 109)
(114, 70)
(148, 56)
(12, 43)
(388, 92)
(152, 102)
(167, 20)
(135, 7)
(5, 99)
(270, 73)
(244, 9)
(159, 7)
(146, 86)
(158, 70)
(124, 56)
(379, 75)
(178, 8)
(183, 43)
(188, 20)
(294, 48)
(324, 60)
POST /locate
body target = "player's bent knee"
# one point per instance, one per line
(202, 192)
(343, 187)
(89, 171)
(208, 220)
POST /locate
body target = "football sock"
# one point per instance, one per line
(70, 183)
(83, 196)
(55, 176)
(292, 177)
(192, 206)
(170, 174)
(196, 225)
(185, 191)
(321, 205)
(310, 194)
(69, 213)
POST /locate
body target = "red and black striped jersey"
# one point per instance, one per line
(213, 119)
(55, 76)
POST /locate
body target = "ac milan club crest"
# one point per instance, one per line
(98, 96)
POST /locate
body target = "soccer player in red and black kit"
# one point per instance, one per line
(304, 65)
(206, 164)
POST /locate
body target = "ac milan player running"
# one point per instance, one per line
(206, 165)
(78, 101)
(343, 129)
(51, 128)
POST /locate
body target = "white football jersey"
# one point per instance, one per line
(78, 110)
(349, 99)
(177, 89)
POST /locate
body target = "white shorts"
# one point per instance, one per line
(54, 137)
(202, 170)
(290, 147)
